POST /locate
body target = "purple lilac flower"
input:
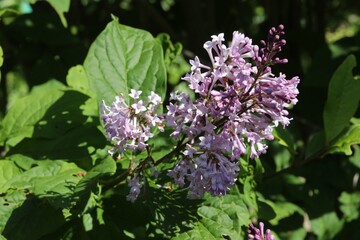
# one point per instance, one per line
(129, 127)
(135, 186)
(258, 233)
(239, 102)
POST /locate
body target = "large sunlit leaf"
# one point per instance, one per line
(32, 200)
(49, 177)
(62, 130)
(343, 99)
(20, 121)
(122, 58)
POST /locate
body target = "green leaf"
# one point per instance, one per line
(8, 170)
(315, 144)
(327, 225)
(221, 217)
(19, 122)
(60, 7)
(266, 209)
(23, 162)
(171, 51)
(299, 233)
(8, 11)
(16, 87)
(87, 216)
(50, 182)
(343, 99)
(285, 139)
(48, 179)
(9, 202)
(249, 192)
(349, 137)
(282, 159)
(350, 204)
(284, 210)
(87, 222)
(103, 167)
(1, 57)
(77, 78)
(63, 115)
(201, 232)
(122, 58)
(31, 221)
(58, 187)
(75, 145)
(355, 158)
(176, 65)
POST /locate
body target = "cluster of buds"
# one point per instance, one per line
(259, 233)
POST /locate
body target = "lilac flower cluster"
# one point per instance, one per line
(239, 102)
(258, 233)
(129, 127)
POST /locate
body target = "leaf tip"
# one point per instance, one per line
(114, 18)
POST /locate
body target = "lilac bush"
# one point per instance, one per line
(76, 172)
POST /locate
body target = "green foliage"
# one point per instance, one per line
(176, 66)
(1, 57)
(350, 204)
(123, 58)
(224, 217)
(343, 99)
(350, 137)
(20, 121)
(61, 7)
